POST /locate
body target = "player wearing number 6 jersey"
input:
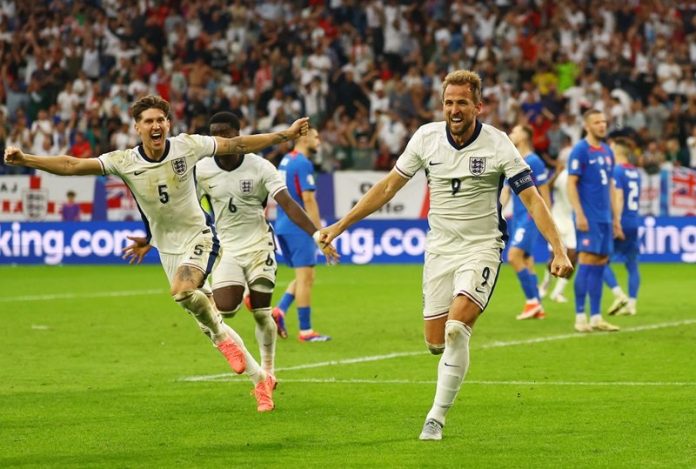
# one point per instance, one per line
(626, 250)
(159, 172)
(237, 189)
(590, 189)
(465, 163)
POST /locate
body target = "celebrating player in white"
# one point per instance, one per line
(465, 162)
(159, 172)
(237, 188)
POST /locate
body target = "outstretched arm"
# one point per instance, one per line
(561, 265)
(252, 143)
(376, 197)
(62, 165)
(302, 219)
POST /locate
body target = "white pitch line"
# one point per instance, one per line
(496, 344)
(71, 296)
(243, 380)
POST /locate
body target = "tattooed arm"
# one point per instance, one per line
(253, 143)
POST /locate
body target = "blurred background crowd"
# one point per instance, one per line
(367, 72)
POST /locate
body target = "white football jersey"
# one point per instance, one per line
(238, 198)
(561, 209)
(464, 183)
(165, 190)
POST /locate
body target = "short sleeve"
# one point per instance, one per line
(305, 175)
(411, 160)
(272, 180)
(509, 159)
(114, 162)
(576, 161)
(539, 172)
(200, 145)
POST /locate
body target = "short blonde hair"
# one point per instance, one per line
(464, 77)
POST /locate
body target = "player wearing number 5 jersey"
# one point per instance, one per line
(590, 189)
(465, 163)
(626, 250)
(159, 172)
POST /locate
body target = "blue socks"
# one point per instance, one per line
(528, 282)
(633, 278)
(286, 301)
(580, 287)
(304, 313)
(609, 277)
(594, 287)
(588, 279)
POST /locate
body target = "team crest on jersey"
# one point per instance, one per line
(246, 186)
(477, 165)
(179, 166)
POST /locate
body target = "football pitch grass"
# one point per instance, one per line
(98, 367)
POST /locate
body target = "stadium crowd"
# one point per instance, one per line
(367, 73)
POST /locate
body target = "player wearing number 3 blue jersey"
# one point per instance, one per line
(590, 189)
(627, 182)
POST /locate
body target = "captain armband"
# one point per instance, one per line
(521, 181)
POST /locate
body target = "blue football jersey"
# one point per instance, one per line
(540, 176)
(627, 178)
(298, 173)
(594, 166)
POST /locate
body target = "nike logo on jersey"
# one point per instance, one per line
(211, 186)
(479, 290)
(593, 161)
(452, 366)
(138, 173)
(433, 163)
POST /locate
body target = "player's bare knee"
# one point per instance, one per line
(228, 309)
(435, 349)
(182, 296)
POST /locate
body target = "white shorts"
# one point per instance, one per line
(445, 277)
(567, 230)
(201, 253)
(245, 269)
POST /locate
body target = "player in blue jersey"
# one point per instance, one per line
(524, 232)
(590, 189)
(626, 250)
(299, 249)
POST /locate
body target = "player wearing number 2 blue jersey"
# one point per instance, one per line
(590, 189)
(627, 182)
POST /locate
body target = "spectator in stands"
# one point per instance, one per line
(80, 147)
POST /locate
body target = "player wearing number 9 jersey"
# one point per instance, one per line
(590, 189)
(626, 250)
(465, 163)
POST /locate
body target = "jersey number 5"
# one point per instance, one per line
(163, 195)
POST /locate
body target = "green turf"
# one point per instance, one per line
(91, 380)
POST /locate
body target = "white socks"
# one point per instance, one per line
(198, 304)
(559, 287)
(452, 368)
(266, 333)
(253, 370)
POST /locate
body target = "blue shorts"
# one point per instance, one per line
(626, 249)
(524, 236)
(599, 240)
(299, 250)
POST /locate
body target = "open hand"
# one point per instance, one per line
(135, 252)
